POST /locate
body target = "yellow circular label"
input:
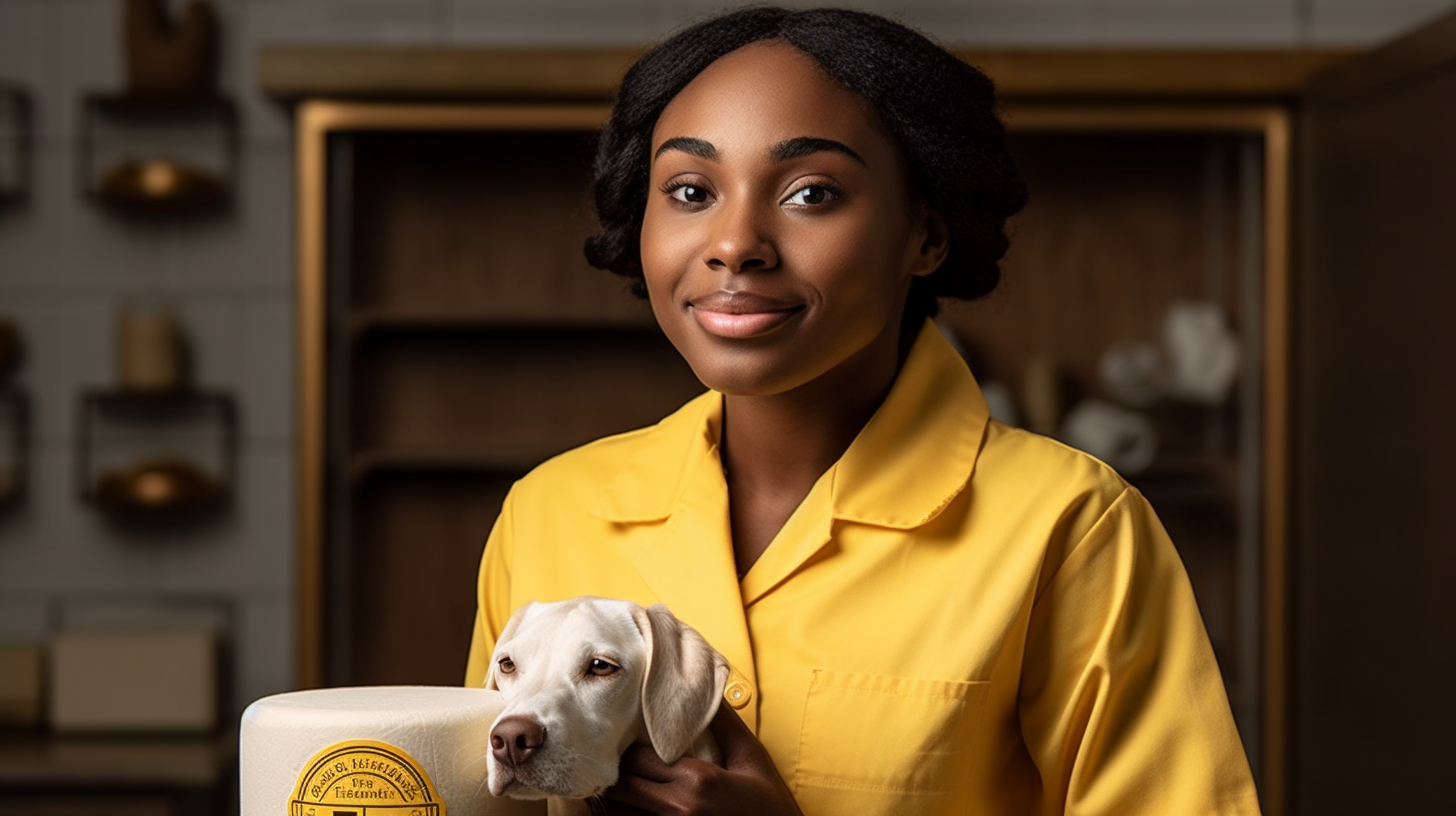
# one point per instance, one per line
(364, 778)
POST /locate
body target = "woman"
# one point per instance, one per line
(926, 611)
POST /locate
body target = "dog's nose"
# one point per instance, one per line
(515, 738)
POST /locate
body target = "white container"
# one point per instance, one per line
(407, 750)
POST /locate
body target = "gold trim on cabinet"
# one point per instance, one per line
(1029, 117)
(1276, 462)
(312, 132)
(315, 121)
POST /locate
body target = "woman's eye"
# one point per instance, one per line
(811, 195)
(601, 668)
(505, 665)
(690, 194)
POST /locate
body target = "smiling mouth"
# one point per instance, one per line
(740, 315)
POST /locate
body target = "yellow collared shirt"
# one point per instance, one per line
(961, 617)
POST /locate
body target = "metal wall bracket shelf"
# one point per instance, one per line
(181, 156)
(157, 485)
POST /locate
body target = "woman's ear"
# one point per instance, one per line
(934, 241)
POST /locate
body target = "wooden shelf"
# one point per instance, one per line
(157, 184)
(1189, 480)
(499, 460)
(504, 321)
(484, 389)
(38, 761)
(162, 485)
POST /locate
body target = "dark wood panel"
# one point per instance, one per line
(412, 567)
(478, 390)
(1118, 228)
(1375, 645)
(483, 223)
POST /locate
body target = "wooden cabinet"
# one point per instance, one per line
(1375, 433)
(451, 335)
(456, 338)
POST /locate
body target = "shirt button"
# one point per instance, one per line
(738, 693)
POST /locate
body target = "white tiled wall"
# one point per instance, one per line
(66, 268)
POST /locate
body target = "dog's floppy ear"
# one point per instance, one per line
(683, 683)
(521, 613)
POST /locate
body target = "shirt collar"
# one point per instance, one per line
(912, 458)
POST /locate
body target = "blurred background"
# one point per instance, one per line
(290, 292)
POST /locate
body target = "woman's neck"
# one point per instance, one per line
(774, 448)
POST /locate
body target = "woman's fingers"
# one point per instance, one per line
(641, 761)
(644, 781)
(630, 797)
(747, 784)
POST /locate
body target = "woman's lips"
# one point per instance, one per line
(741, 315)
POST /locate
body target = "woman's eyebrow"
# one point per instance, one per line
(701, 148)
(807, 145)
(794, 148)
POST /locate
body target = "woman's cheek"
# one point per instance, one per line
(668, 253)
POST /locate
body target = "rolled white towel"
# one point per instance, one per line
(1125, 439)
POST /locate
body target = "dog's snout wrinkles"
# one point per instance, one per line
(514, 739)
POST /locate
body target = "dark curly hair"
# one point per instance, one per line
(939, 111)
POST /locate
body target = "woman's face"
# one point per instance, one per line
(779, 239)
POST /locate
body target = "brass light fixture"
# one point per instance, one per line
(162, 485)
(157, 178)
(170, 96)
(155, 415)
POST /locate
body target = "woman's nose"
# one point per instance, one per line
(741, 239)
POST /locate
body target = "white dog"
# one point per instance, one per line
(585, 678)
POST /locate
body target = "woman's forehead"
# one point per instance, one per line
(762, 95)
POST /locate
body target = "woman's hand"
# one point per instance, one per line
(748, 782)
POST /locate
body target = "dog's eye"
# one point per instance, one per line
(601, 668)
(505, 665)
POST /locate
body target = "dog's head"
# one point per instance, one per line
(585, 678)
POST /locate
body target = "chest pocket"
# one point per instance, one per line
(874, 744)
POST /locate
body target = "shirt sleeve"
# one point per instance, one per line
(1122, 705)
(493, 595)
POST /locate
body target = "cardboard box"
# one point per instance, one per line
(134, 682)
(22, 684)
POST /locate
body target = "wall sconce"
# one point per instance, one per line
(153, 469)
(168, 143)
(144, 446)
(158, 154)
